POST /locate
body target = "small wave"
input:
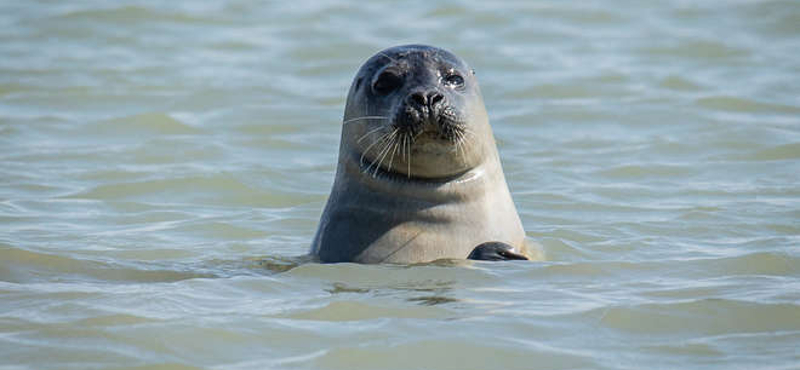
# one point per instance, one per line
(700, 316)
(447, 350)
(216, 189)
(776, 153)
(129, 15)
(24, 266)
(759, 263)
(742, 105)
(634, 171)
(680, 83)
(701, 49)
(154, 123)
(357, 311)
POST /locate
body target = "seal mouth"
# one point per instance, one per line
(440, 124)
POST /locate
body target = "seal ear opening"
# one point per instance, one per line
(358, 82)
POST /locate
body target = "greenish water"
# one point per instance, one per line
(162, 162)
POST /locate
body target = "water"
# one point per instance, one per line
(161, 163)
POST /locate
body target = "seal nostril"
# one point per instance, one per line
(426, 99)
(419, 98)
(435, 98)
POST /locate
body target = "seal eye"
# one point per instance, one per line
(386, 83)
(454, 80)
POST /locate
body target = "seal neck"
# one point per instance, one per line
(352, 175)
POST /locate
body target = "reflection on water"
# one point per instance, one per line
(163, 167)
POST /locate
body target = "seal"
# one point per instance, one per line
(419, 176)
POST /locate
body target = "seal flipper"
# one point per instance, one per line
(495, 251)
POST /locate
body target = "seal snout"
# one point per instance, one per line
(426, 110)
(421, 99)
(424, 106)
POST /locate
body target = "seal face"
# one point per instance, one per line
(419, 177)
(413, 104)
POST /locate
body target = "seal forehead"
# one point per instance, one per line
(406, 54)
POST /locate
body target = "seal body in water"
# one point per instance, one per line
(418, 177)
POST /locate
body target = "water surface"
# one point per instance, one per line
(162, 162)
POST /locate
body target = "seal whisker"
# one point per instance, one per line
(380, 139)
(402, 141)
(409, 142)
(469, 136)
(387, 56)
(396, 142)
(382, 154)
(471, 133)
(363, 118)
(460, 146)
(368, 133)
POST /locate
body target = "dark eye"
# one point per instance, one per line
(454, 80)
(387, 82)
